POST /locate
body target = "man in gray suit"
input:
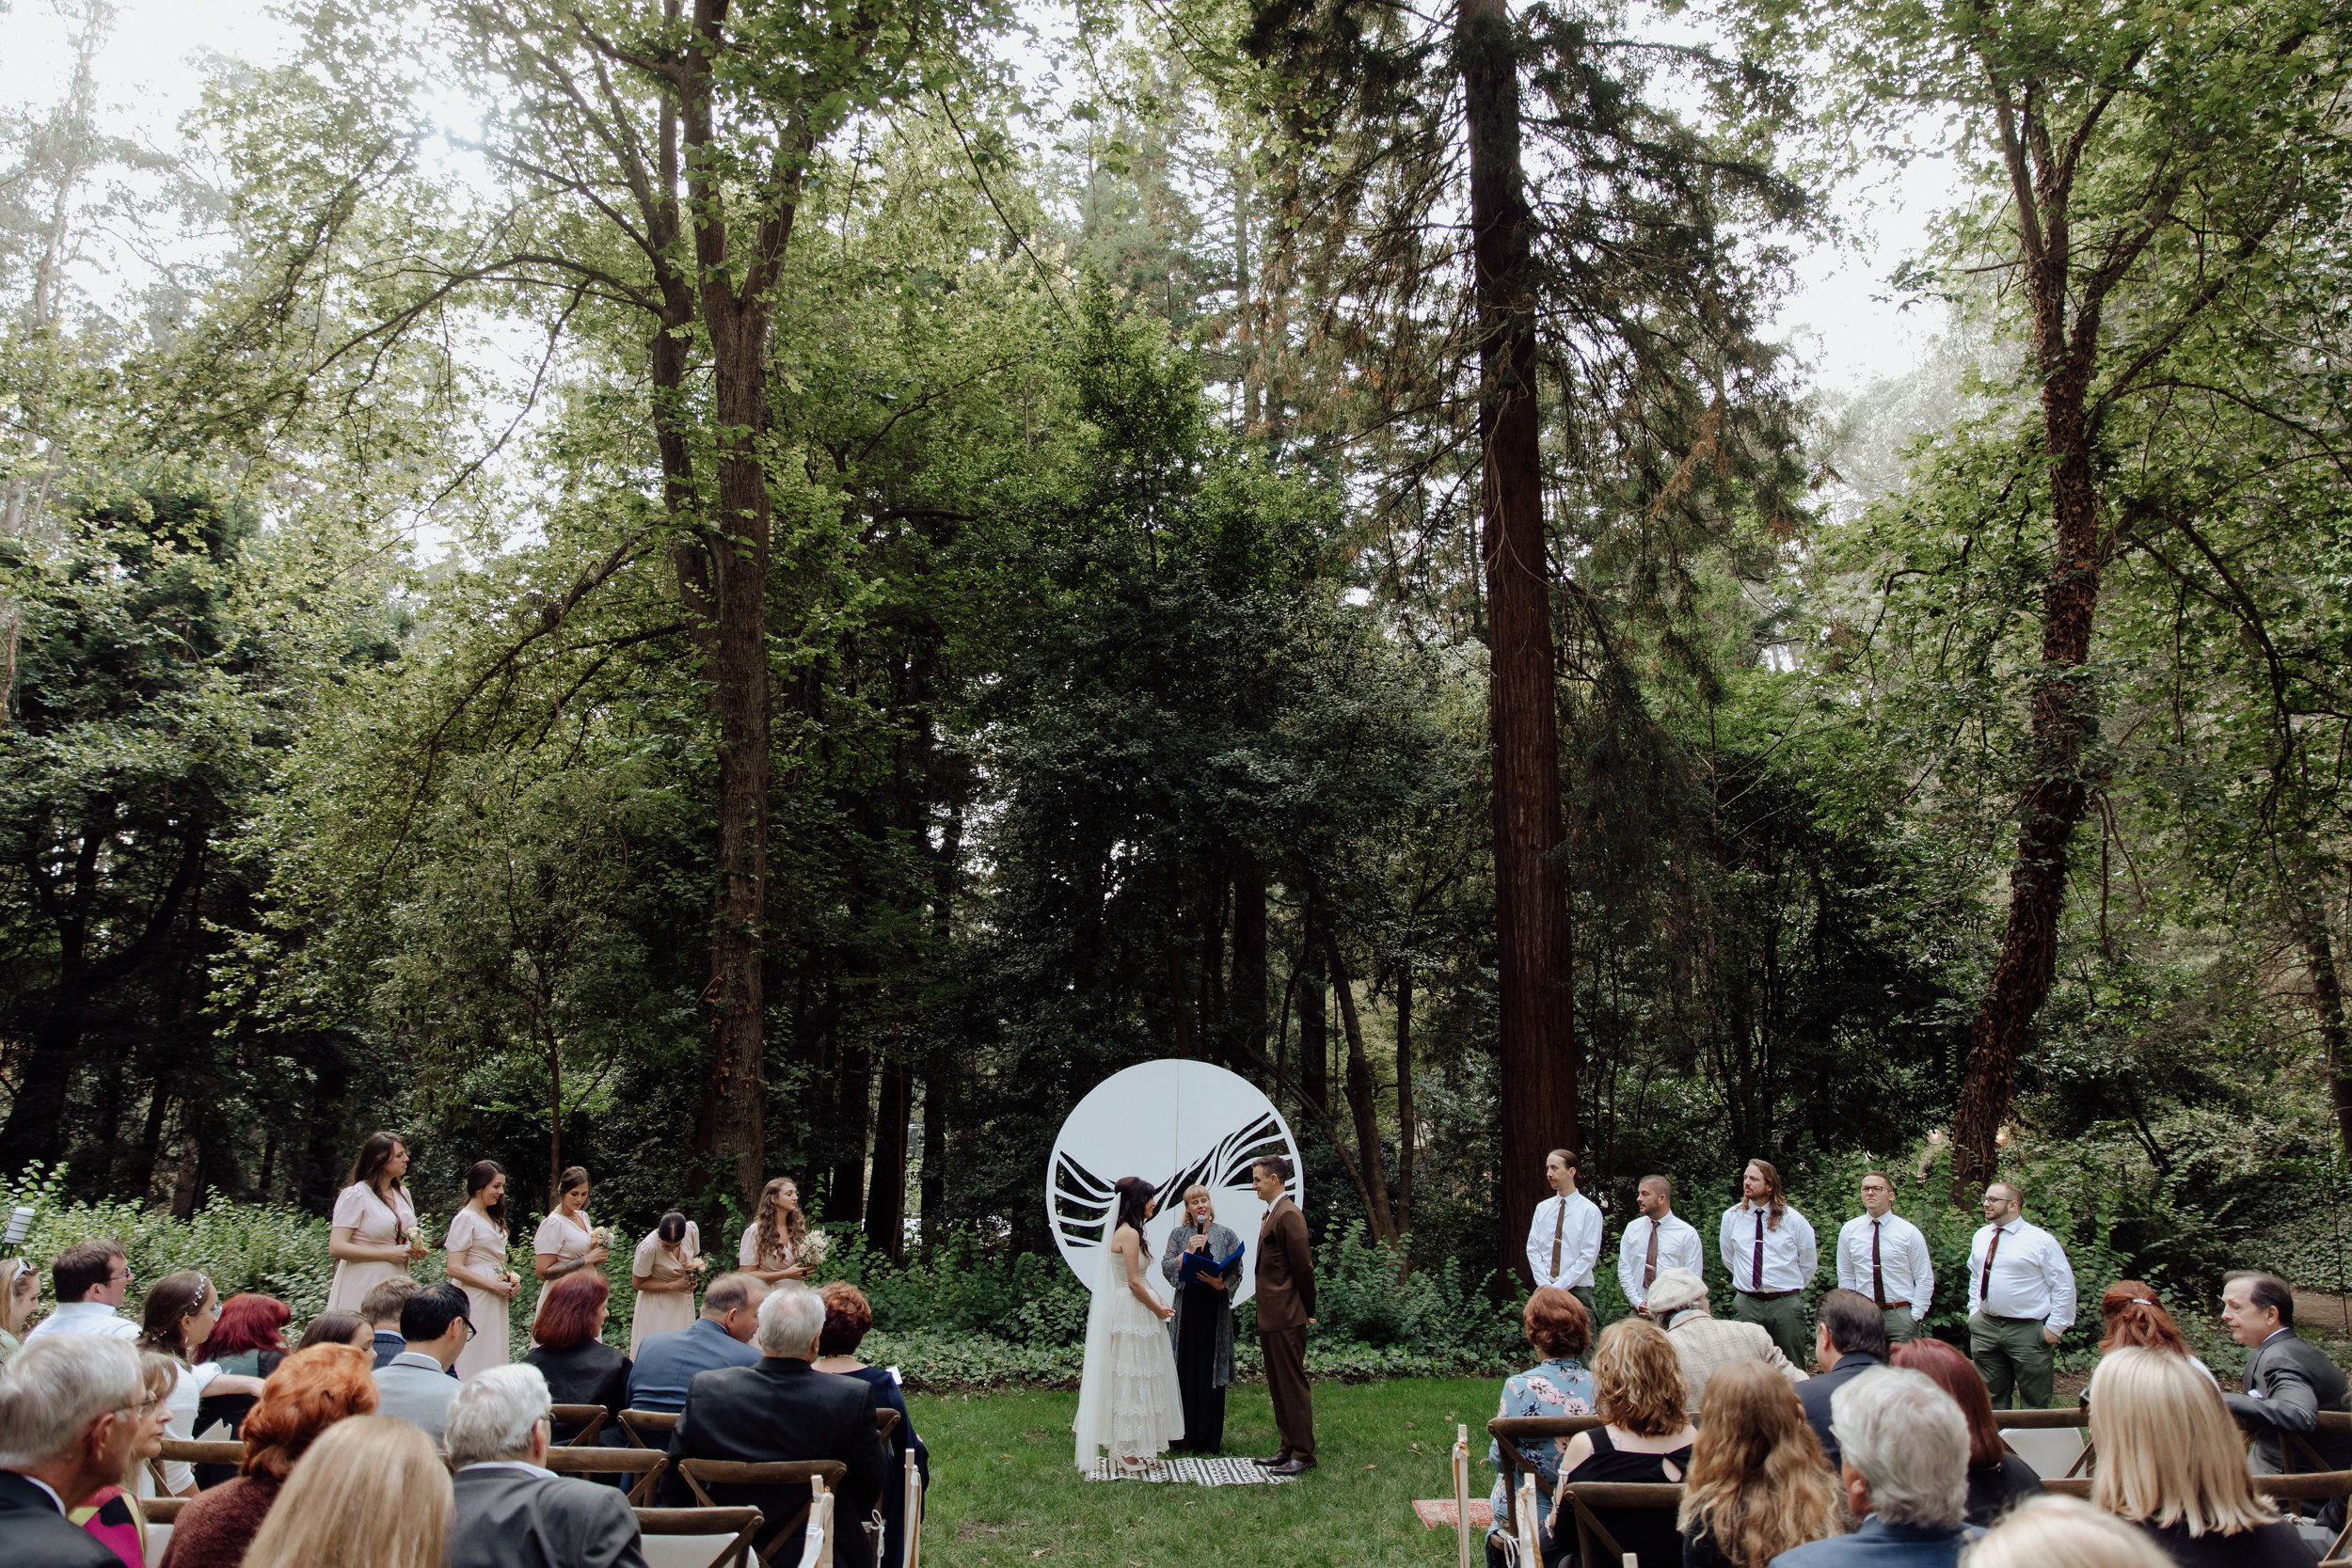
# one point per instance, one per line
(508, 1510)
(2288, 1381)
(417, 1383)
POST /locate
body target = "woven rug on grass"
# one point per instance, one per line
(1196, 1472)
(1438, 1512)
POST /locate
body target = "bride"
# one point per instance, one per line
(1127, 1397)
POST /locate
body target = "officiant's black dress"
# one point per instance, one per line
(1204, 1331)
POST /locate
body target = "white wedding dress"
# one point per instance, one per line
(1128, 1403)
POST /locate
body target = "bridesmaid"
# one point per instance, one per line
(373, 1234)
(663, 1271)
(477, 1259)
(566, 1242)
(771, 1243)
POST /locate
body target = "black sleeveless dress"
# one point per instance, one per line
(1648, 1533)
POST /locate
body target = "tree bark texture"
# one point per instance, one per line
(2319, 956)
(1362, 1097)
(1314, 1033)
(1405, 1112)
(1536, 1024)
(886, 1196)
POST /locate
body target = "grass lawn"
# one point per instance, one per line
(1006, 1486)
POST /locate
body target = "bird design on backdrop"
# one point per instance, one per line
(1193, 1121)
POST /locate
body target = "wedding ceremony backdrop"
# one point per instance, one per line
(932, 598)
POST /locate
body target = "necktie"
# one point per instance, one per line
(1878, 1280)
(1650, 1260)
(1984, 1280)
(1559, 1223)
(1756, 1284)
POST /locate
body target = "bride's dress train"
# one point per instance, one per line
(1128, 1402)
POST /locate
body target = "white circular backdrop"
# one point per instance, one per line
(1172, 1122)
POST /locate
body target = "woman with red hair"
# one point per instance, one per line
(570, 1353)
(2137, 1319)
(311, 1391)
(1996, 1478)
(249, 1340)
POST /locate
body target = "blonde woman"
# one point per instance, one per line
(776, 1238)
(2171, 1462)
(1759, 1483)
(372, 1236)
(372, 1492)
(477, 1260)
(1638, 1390)
(2046, 1529)
(19, 1292)
(567, 1240)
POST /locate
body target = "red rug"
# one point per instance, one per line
(1438, 1512)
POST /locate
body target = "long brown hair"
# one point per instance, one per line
(2135, 1317)
(778, 1227)
(479, 1175)
(1774, 1199)
(368, 1170)
(1759, 1485)
(171, 1301)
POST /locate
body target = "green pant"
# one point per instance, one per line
(1592, 1313)
(1900, 1325)
(1781, 1317)
(2014, 1358)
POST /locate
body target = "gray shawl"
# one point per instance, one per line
(1221, 1244)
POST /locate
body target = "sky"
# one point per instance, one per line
(1840, 320)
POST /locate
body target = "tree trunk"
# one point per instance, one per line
(1314, 1046)
(937, 1088)
(555, 1120)
(1405, 1127)
(1535, 1022)
(1361, 1096)
(2319, 956)
(887, 1199)
(845, 1194)
(142, 1182)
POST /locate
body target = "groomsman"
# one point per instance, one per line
(1659, 1241)
(2021, 1301)
(1563, 1240)
(1883, 1255)
(1770, 1254)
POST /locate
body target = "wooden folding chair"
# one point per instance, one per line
(231, 1454)
(647, 1464)
(2312, 1486)
(1594, 1543)
(886, 1422)
(589, 1418)
(1510, 1431)
(648, 1429)
(2007, 1421)
(702, 1474)
(741, 1523)
(162, 1511)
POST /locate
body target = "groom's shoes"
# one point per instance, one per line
(1296, 1464)
(1283, 1458)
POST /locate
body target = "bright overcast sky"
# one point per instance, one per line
(1840, 321)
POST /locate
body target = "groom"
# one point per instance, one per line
(1286, 1309)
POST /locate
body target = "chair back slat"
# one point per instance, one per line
(648, 1429)
(886, 1422)
(162, 1511)
(2042, 1420)
(1593, 1541)
(740, 1522)
(589, 1418)
(204, 1453)
(819, 1475)
(646, 1464)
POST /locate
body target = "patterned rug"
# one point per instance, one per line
(1196, 1472)
(1438, 1512)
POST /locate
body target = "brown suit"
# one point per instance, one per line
(1285, 1300)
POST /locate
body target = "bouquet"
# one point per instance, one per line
(813, 1248)
(602, 1236)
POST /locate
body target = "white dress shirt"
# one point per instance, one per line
(1677, 1248)
(1904, 1267)
(2031, 1277)
(1790, 1253)
(85, 1317)
(1575, 1221)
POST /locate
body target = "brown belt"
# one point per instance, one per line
(1767, 1296)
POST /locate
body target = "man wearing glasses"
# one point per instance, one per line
(71, 1411)
(416, 1385)
(91, 1278)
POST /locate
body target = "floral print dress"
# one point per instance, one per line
(1558, 1387)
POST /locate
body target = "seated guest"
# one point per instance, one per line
(782, 1408)
(91, 1280)
(19, 1292)
(1757, 1484)
(1903, 1458)
(113, 1513)
(577, 1367)
(2047, 1530)
(311, 1391)
(1996, 1478)
(721, 1336)
(178, 1314)
(248, 1341)
(1559, 1384)
(70, 1415)
(1849, 1340)
(416, 1384)
(2288, 1381)
(848, 1316)
(2135, 1317)
(341, 1329)
(2170, 1462)
(1637, 1390)
(1703, 1342)
(381, 1306)
(507, 1509)
(372, 1493)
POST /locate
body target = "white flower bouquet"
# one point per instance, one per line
(813, 1249)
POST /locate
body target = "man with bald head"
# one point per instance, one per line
(2021, 1302)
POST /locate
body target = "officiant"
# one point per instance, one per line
(1203, 1324)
